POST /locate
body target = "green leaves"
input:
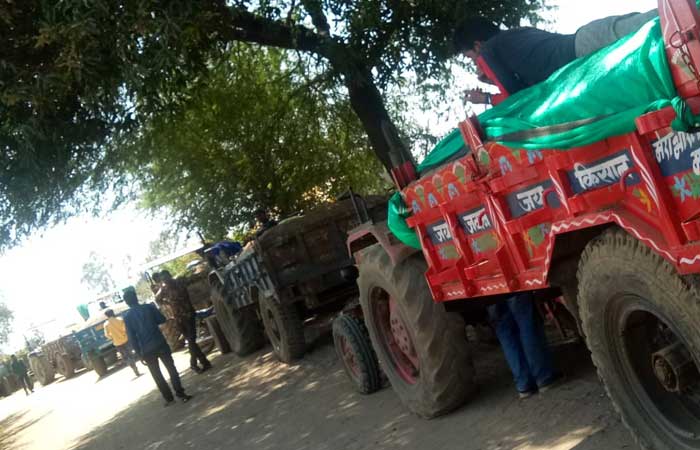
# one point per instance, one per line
(253, 134)
(97, 274)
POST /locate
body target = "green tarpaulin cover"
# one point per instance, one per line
(588, 100)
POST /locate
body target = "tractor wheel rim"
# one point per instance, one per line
(658, 370)
(395, 337)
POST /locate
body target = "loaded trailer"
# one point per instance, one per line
(613, 226)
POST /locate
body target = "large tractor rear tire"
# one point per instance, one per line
(242, 327)
(42, 369)
(284, 328)
(65, 365)
(642, 326)
(422, 348)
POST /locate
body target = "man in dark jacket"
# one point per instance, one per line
(149, 344)
(521, 57)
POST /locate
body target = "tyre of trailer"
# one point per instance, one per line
(641, 324)
(42, 368)
(65, 365)
(242, 327)
(284, 328)
(99, 365)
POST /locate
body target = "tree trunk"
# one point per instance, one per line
(368, 104)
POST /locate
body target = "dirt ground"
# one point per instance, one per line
(258, 403)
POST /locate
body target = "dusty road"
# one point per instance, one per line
(260, 404)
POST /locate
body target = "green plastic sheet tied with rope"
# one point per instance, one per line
(586, 101)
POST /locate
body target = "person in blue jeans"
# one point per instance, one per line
(520, 331)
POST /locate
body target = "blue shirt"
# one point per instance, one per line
(142, 328)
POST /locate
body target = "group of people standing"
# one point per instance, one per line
(137, 334)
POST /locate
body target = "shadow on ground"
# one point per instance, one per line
(258, 403)
(12, 425)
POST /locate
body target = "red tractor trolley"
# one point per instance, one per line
(612, 227)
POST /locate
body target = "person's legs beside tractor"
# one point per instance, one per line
(521, 333)
(26, 383)
(188, 328)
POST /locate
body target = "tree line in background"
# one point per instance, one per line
(186, 104)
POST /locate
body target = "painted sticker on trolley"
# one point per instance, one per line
(475, 221)
(439, 233)
(531, 199)
(677, 152)
(603, 172)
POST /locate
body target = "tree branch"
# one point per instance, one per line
(318, 18)
(239, 24)
(290, 14)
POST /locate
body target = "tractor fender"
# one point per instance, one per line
(369, 234)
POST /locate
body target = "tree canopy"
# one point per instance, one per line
(77, 74)
(97, 274)
(254, 134)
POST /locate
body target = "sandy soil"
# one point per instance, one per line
(258, 403)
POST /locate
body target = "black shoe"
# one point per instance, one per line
(185, 398)
(196, 369)
(206, 366)
(169, 402)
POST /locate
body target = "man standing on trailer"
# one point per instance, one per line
(522, 57)
(520, 331)
(264, 222)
